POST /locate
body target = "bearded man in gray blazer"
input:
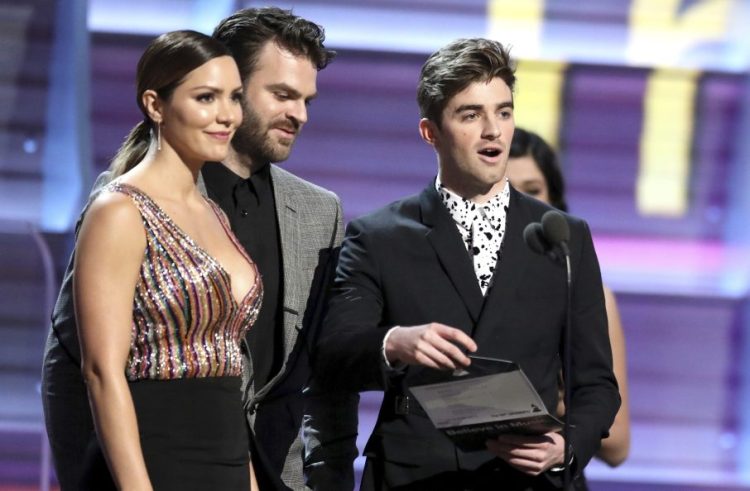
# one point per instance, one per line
(290, 227)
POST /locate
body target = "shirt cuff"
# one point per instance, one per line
(388, 364)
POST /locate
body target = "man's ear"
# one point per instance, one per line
(428, 130)
(153, 104)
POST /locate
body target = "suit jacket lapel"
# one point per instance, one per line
(289, 235)
(452, 254)
(512, 263)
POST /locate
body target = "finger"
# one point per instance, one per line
(507, 449)
(436, 356)
(530, 441)
(456, 335)
(451, 350)
(526, 463)
(507, 452)
(422, 359)
(446, 349)
(531, 456)
(525, 466)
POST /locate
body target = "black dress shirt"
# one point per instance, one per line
(251, 208)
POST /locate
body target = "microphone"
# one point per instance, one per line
(550, 237)
(556, 229)
(533, 235)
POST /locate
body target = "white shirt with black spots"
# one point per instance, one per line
(482, 227)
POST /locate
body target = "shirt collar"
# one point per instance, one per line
(464, 211)
(221, 181)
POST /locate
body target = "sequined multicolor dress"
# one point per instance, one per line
(185, 363)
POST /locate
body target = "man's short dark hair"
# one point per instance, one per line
(454, 67)
(245, 32)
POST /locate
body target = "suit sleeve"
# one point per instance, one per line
(349, 347)
(331, 415)
(595, 398)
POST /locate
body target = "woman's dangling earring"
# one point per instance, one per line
(158, 136)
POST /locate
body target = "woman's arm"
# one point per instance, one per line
(110, 249)
(253, 482)
(615, 449)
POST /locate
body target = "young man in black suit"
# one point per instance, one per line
(426, 280)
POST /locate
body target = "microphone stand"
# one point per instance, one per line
(566, 366)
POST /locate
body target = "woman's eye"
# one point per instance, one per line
(205, 97)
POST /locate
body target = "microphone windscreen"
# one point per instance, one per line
(534, 238)
(555, 227)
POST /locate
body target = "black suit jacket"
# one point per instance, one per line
(407, 265)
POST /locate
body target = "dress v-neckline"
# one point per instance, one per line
(201, 249)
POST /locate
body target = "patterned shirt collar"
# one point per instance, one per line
(463, 210)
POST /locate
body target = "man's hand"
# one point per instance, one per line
(530, 454)
(432, 345)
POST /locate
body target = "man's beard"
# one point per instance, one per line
(252, 138)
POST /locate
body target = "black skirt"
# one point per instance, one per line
(193, 436)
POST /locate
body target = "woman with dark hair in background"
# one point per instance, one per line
(533, 169)
(163, 291)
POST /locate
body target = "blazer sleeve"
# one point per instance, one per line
(347, 360)
(595, 397)
(349, 348)
(329, 426)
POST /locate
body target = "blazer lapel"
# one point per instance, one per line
(452, 254)
(289, 235)
(512, 262)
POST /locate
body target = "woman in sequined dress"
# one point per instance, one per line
(163, 291)
(533, 169)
